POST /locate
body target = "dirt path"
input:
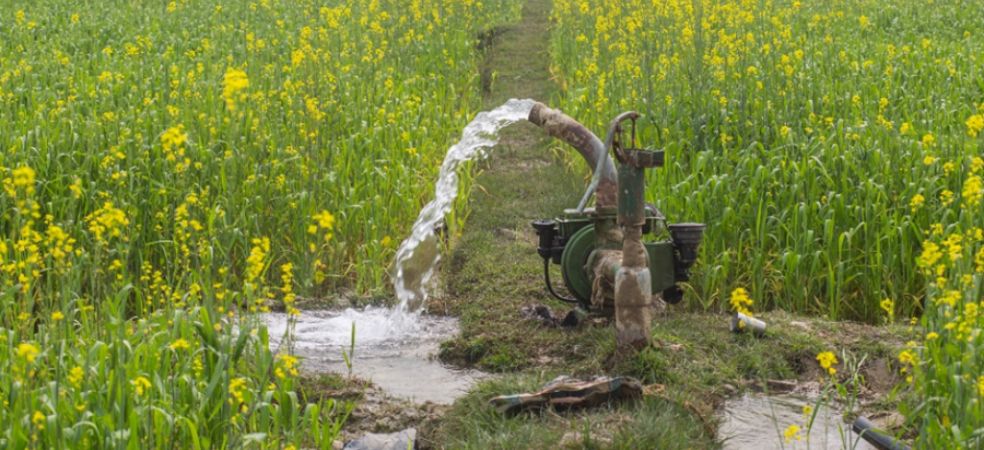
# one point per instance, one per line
(520, 58)
(494, 272)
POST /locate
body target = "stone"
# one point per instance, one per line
(571, 439)
(401, 440)
(781, 386)
(888, 421)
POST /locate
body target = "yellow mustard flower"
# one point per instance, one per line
(173, 137)
(888, 306)
(75, 376)
(256, 261)
(179, 344)
(141, 384)
(792, 433)
(917, 201)
(928, 139)
(107, 221)
(233, 83)
(907, 357)
(237, 386)
(286, 366)
(27, 351)
(740, 301)
(975, 124)
(973, 190)
(827, 361)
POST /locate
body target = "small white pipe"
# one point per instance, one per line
(741, 322)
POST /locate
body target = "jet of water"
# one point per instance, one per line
(416, 258)
(418, 255)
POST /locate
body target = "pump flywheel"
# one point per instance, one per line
(572, 262)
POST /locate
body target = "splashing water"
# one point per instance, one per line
(417, 257)
(392, 343)
(419, 253)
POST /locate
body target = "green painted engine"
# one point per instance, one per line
(605, 259)
(569, 240)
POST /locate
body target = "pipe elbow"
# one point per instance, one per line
(561, 126)
(536, 113)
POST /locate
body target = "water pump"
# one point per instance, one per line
(604, 262)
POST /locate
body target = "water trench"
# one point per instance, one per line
(758, 421)
(395, 354)
(395, 347)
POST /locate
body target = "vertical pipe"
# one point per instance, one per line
(633, 282)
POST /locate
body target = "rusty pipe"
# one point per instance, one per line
(561, 126)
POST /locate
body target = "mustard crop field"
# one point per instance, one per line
(835, 148)
(170, 167)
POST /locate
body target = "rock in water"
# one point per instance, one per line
(401, 440)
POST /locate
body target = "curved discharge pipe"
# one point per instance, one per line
(559, 125)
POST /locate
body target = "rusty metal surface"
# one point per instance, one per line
(607, 232)
(642, 158)
(613, 140)
(619, 267)
(633, 308)
(561, 126)
(602, 265)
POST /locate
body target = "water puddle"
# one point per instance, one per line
(396, 352)
(758, 421)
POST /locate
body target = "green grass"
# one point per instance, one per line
(494, 271)
(798, 131)
(650, 422)
(340, 108)
(833, 149)
(169, 168)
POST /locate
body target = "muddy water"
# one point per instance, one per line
(394, 351)
(757, 422)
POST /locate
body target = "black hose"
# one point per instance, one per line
(863, 427)
(546, 278)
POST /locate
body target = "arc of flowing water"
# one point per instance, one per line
(419, 253)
